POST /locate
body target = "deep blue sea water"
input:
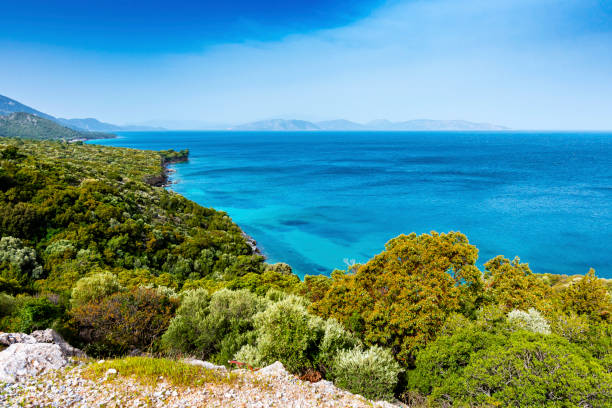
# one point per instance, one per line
(314, 199)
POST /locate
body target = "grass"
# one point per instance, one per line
(149, 370)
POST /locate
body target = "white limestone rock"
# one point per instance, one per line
(23, 360)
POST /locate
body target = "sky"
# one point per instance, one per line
(525, 64)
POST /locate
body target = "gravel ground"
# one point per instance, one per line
(272, 388)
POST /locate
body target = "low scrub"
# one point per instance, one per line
(149, 370)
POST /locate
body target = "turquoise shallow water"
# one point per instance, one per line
(314, 199)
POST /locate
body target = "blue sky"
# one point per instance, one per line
(530, 64)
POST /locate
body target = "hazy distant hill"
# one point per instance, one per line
(8, 106)
(28, 126)
(278, 124)
(382, 124)
(90, 124)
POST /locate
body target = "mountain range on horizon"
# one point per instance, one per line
(9, 106)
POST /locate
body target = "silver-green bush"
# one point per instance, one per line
(373, 373)
(96, 286)
(530, 320)
(288, 333)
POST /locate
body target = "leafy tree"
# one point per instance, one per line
(123, 321)
(589, 297)
(475, 368)
(401, 297)
(512, 285)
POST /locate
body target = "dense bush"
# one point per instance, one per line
(512, 285)
(524, 369)
(530, 320)
(26, 313)
(213, 327)
(401, 297)
(18, 262)
(124, 321)
(589, 297)
(373, 373)
(335, 339)
(94, 288)
(288, 333)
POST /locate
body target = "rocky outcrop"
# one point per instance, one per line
(205, 364)
(34, 354)
(6, 339)
(51, 336)
(23, 360)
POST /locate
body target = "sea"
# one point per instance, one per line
(320, 201)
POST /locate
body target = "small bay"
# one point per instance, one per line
(317, 200)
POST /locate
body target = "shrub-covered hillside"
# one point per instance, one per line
(67, 210)
(92, 248)
(28, 126)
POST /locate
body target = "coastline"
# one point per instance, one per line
(164, 180)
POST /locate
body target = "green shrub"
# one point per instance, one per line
(530, 320)
(94, 288)
(335, 339)
(213, 327)
(288, 333)
(250, 355)
(124, 321)
(523, 369)
(7, 304)
(373, 373)
(442, 360)
(35, 313)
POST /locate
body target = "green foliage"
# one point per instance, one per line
(7, 304)
(172, 156)
(401, 297)
(94, 288)
(123, 321)
(84, 208)
(30, 313)
(472, 367)
(587, 296)
(213, 327)
(373, 373)
(335, 339)
(18, 262)
(288, 333)
(513, 285)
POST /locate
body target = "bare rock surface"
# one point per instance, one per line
(51, 336)
(23, 360)
(269, 387)
(6, 339)
(204, 364)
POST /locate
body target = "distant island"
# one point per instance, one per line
(376, 125)
(8, 106)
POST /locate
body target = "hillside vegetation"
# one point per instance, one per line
(91, 248)
(29, 126)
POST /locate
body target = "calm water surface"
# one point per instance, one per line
(314, 199)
